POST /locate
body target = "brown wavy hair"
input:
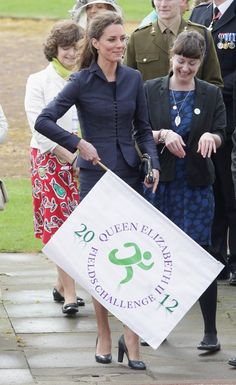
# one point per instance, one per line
(63, 34)
(95, 30)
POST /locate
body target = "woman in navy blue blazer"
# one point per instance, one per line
(112, 111)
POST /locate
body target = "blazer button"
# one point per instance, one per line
(144, 59)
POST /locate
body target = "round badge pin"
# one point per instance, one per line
(197, 111)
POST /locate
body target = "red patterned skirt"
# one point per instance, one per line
(55, 193)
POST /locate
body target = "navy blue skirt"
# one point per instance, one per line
(130, 175)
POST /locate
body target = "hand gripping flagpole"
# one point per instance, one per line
(102, 166)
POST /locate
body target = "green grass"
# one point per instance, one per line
(32, 8)
(134, 10)
(16, 221)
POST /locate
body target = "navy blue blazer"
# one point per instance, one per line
(226, 25)
(208, 116)
(109, 115)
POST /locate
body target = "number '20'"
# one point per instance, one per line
(84, 233)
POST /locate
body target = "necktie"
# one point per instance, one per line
(169, 38)
(216, 15)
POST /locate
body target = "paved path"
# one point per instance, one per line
(39, 345)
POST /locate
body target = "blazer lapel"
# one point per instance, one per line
(94, 68)
(207, 16)
(158, 38)
(226, 17)
(165, 104)
(198, 116)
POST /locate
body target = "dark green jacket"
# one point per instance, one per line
(147, 52)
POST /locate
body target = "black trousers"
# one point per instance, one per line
(224, 222)
(208, 305)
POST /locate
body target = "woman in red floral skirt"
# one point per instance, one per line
(54, 185)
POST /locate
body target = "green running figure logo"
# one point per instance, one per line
(135, 259)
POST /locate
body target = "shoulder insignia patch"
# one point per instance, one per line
(143, 27)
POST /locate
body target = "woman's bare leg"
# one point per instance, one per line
(104, 334)
(66, 286)
(132, 343)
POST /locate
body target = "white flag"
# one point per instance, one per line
(132, 259)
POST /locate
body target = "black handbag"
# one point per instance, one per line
(146, 168)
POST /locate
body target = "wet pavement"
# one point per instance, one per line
(40, 345)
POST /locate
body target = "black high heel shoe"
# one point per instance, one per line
(59, 298)
(103, 358)
(133, 364)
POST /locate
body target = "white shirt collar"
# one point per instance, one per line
(224, 6)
